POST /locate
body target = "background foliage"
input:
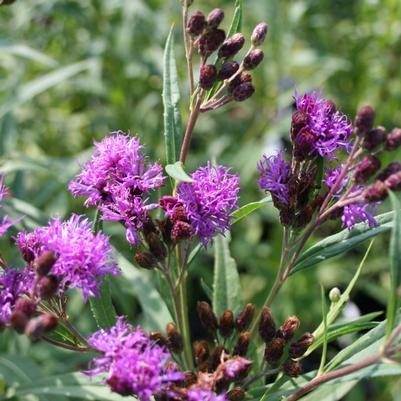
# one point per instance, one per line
(71, 71)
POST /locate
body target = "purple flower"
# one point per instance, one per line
(208, 201)
(274, 174)
(236, 365)
(323, 129)
(83, 258)
(201, 394)
(358, 212)
(135, 365)
(331, 176)
(13, 284)
(116, 179)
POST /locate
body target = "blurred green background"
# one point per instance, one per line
(72, 71)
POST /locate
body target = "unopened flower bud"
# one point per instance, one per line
(236, 394)
(158, 338)
(232, 46)
(145, 260)
(18, 321)
(196, 23)
(44, 262)
(174, 338)
(374, 138)
(149, 227)
(238, 80)
(41, 325)
(241, 348)
(190, 378)
(215, 358)
(292, 368)
(226, 324)
(156, 246)
(165, 227)
(243, 91)
(207, 76)
(334, 295)
(394, 181)
(267, 326)
(299, 121)
(364, 119)
(378, 191)
(393, 140)
(274, 350)
(178, 214)
(227, 70)
(288, 328)
(201, 352)
(299, 347)
(253, 59)
(330, 106)
(26, 306)
(206, 316)
(215, 17)
(181, 230)
(47, 286)
(245, 318)
(211, 41)
(392, 168)
(259, 34)
(366, 169)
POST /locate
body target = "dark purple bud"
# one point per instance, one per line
(41, 325)
(299, 121)
(158, 338)
(274, 350)
(156, 246)
(393, 140)
(232, 46)
(26, 306)
(215, 358)
(245, 318)
(211, 41)
(145, 260)
(378, 191)
(292, 368)
(196, 23)
(226, 324)
(259, 33)
(267, 326)
(149, 227)
(243, 91)
(330, 106)
(299, 347)
(253, 59)
(288, 328)
(215, 17)
(190, 378)
(44, 262)
(174, 338)
(201, 352)
(178, 214)
(374, 138)
(241, 348)
(119, 386)
(165, 227)
(47, 286)
(181, 230)
(18, 321)
(304, 144)
(366, 169)
(227, 70)
(236, 394)
(392, 168)
(394, 181)
(238, 80)
(206, 316)
(207, 76)
(364, 120)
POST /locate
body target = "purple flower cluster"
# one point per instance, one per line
(208, 201)
(116, 180)
(200, 394)
(319, 127)
(274, 174)
(135, 365)
(83, 258)
(13, 284)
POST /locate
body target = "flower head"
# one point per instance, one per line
(319, 128)
(201, 394)
(134, 364)
(358, 212)
(274, 174)
(83, 258)
(331, 177)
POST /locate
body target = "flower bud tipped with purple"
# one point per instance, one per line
(235, 368)
(18, 321)
(374, 138)
(41, 325)
(394, 181)
(288, 328)
(245, 318)
(274, 350)
(364, 120)
(243, 91)
(366, 169)
(244, 339)
(47, 286)
(227, 70)
(207, 76)
(292, 368)
(392, 168)
(393, 140)
(378, 191)
(206, 316)
(259, 33)
(232, 46)
(226, 324)
(174, 338)
(267, 326)
(253, 59)
(211, 41)
(196, 24)
(236, 394)
(215, 17)
(25, 306)
(145, 260)
(299, 347)
(44, 262)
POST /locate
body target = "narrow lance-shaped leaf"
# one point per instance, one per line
(395, 265)
(248, 209)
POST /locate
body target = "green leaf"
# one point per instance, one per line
(395, 265)
(342, 242)
(249, 208)
(207, 289)
(102, 307)
(177, 172)
(171, 97)
(226, 285)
